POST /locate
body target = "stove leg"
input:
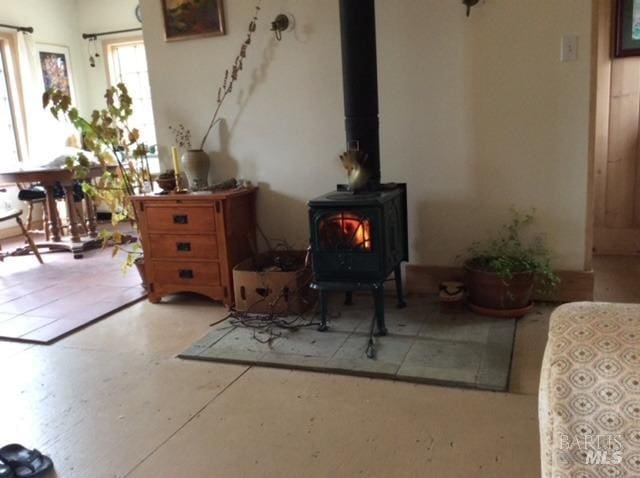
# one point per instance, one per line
(348, 298)
(378, 297)
(371, 344)
(323, 311)
(398, 276)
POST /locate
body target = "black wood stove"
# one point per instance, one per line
(358, 238)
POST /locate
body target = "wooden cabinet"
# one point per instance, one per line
(192, 242)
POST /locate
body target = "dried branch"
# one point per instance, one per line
(230, 76)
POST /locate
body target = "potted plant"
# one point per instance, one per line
(117, 147)
(502, 271)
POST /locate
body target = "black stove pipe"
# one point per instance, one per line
(360, 81)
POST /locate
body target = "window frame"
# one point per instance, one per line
(109, 44)
(10, 60)
(108, 47)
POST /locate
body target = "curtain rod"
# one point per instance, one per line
(93, 36)
(20, 29)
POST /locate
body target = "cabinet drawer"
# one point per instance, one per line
(180, 219)
(175, 246)
(185, 273)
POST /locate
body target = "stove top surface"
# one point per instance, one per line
(344, 197)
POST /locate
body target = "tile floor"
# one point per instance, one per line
(41, 302)
(113, 401)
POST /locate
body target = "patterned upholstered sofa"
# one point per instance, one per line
(589, 401)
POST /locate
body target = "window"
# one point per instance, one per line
(9, 106)
(128, 64)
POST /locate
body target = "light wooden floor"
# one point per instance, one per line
(112, 401)
(617, 278)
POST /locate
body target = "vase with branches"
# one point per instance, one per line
(196, 161)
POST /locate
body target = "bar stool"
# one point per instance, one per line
(33, 194)
(36, 194)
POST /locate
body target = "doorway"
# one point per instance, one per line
(614, 252)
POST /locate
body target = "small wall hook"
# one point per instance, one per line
(281, 24)
(469, 4)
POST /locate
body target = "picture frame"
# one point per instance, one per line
(626, 28)
(188, 19)
(55, 67)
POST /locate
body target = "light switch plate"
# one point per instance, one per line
(569, 51)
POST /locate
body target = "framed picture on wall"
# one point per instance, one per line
(184, 19)
(626, 28)
(56, 68)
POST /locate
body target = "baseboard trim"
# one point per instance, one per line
(422, 280)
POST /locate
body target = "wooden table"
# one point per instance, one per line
(48, 177)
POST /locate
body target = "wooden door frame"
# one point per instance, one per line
(609, 240)
(600, 88)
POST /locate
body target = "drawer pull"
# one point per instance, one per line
(180, 219)
(183, 246)
(185, 273)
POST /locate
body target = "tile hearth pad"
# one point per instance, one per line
(425, 344)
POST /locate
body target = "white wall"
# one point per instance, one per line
(62, 22)
(477, 114)
(54, 22)
(95, 16)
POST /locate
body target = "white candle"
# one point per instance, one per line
(176, 160)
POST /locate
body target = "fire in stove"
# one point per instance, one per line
(345, 232)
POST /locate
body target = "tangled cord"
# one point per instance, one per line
(272, 323)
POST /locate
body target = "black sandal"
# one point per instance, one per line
(25, 463)
(5, 470)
